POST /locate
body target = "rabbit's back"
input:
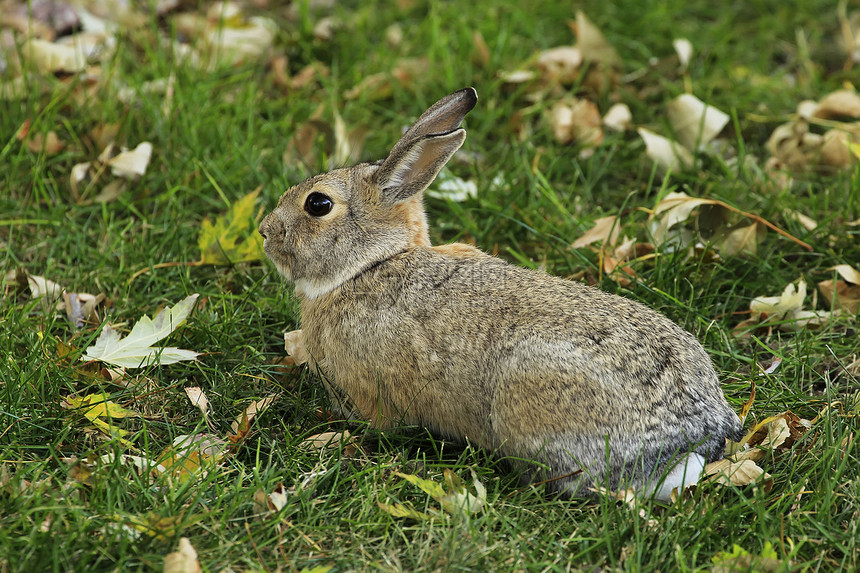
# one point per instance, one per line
(535, 366)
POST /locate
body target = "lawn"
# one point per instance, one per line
(95, 469)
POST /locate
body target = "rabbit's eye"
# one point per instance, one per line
(318, 205)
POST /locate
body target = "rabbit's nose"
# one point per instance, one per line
(265, 228)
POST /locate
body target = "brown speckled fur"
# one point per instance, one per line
(520, 362)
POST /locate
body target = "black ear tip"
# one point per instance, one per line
(470, 95)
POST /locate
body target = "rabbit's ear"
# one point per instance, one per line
(425, 148)
(444, 116)
(413, 168)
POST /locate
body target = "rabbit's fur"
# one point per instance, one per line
(572, 382)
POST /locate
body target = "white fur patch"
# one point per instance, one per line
(685, 473)
(313, 289)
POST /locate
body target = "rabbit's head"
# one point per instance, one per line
(332, 227)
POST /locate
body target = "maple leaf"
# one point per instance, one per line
(136, 350)
(233, 238)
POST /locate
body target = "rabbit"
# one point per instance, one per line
(580, 388)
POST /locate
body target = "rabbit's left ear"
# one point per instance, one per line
(426, 147)
(413, 168)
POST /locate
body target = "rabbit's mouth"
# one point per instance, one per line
(280, 260)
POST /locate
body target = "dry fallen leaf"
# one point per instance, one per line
(618, 118)
(592, 43)
(560, 65)
(49, 57)
(241, 427)
(840, 104)
(332, 441)
(578, 121)
(272, 502)
(844, 294)
(667, 154)
(605, 229)
(712, 220)
(50, 143)
(131, 163)
(848, 273)
(184, 560)
(198, 398)
(695, 122)
(744, 472)
(743, 240)
(295, 347)
(806, 222)
(81, 308)
(684, 51)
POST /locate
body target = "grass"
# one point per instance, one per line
(227, 135)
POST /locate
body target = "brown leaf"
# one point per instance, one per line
(840, 104)
(834, 150)
(695, 122)
(618, 118)
(776, 433)
(840, 294)
(592, 43)
(667, 154)
(295, 347)
(740, 473)
(332, 441)
(48, 143)
(272, 502)
(743, 240)
(184, 560)
(481, 51)
(242, 426)
(605, 229)
(560, 65)
(577, 121)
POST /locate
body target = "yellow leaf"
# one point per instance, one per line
(233, 237)
(161, 528)
(400, 510)
(191, 455)
(740, 560)
(429, 487)
(318, 569)
(456, 500)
